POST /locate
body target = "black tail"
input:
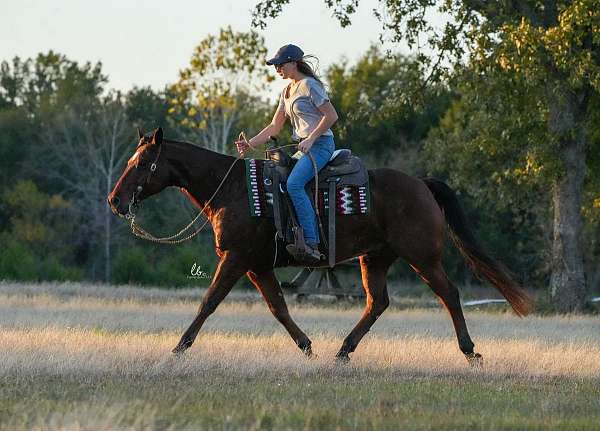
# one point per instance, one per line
(482, 265)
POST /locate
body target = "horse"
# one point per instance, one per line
(408, 220)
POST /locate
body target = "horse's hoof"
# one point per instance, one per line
(475, 360)
(180, 349)
(342, 358)
(309, 353)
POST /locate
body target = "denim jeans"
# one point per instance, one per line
(302, 173)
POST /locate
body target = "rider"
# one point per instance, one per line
(304, 101)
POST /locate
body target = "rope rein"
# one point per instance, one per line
(140, 232)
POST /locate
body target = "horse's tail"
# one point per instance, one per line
(482, 265)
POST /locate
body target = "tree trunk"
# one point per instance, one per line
(567, 283)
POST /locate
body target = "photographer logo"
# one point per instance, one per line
(196, 272)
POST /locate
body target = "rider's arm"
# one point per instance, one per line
(330, 116)
(272, 129)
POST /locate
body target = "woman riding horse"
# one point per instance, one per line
(305, 102)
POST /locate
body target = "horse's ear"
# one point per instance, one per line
(157, 136)
(140, 137)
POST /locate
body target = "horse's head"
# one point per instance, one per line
(146, 174)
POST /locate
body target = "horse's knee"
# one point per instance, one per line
(380, 305)
(280, 315)
(209, 306)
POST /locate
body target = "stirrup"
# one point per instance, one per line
(302, 251)
(305, 253)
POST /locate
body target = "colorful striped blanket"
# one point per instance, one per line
(349, 199)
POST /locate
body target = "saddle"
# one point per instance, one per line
(342, 171)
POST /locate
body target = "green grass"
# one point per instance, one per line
(79, 357)
(312, 402)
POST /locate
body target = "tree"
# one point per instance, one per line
(146, 108)
(49, 81)
(225, 75)
(394, 133)
(86, 155)
(553, 49)
(35, 245)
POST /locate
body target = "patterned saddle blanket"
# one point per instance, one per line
(352, 194)
(342, 189)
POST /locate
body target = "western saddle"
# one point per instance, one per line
(342, 169)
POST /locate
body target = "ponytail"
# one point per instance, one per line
(306, 67)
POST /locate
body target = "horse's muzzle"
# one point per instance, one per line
(113, 203)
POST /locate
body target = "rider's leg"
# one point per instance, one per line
(302, 173)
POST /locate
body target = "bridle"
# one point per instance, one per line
(138, 231)
(138, 190)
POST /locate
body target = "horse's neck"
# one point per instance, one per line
(198, 172)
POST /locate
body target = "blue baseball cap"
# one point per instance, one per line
(286, 54)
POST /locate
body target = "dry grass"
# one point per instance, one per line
(70, 334)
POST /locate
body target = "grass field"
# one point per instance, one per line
(90, 357)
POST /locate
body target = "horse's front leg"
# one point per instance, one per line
(228, 272)
(268, 285)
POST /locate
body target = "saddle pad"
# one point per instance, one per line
(350, 199)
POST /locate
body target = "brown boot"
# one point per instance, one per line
(305, 253)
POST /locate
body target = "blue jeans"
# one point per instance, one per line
(302, 173)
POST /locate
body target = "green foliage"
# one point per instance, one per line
(370, 122)
(16, 133)
(35, 245)
(37, 219)
(147, 109)
(225, 75)
(527, 73)
(17, 262)
(132, 266)
(49, 81)
(167, 267)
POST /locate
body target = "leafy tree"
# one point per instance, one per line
(35, 245)
(225, 75)
(86, 156)
(146, 108)
(16, 135)
(394, 133)
(550, 49)
(48, 82)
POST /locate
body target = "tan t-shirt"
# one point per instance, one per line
(301, 106)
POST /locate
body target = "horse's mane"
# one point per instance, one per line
(185, 146)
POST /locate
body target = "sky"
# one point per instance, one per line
(146, 43)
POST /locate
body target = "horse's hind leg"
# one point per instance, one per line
(268, 285)
(374, 272)
(435, 276)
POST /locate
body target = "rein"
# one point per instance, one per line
(140, 232)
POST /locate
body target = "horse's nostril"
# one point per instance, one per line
(115, 201)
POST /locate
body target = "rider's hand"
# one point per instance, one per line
(305, 145)
(242, 146)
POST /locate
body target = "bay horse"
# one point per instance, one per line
(407, 220)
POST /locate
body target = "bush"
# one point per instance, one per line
(133, 266)
(167, 266)
(53, 270)
(174, 270)
(17, 262)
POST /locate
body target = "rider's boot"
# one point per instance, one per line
(303, 252)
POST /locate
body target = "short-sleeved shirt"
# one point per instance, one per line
(302, 106)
